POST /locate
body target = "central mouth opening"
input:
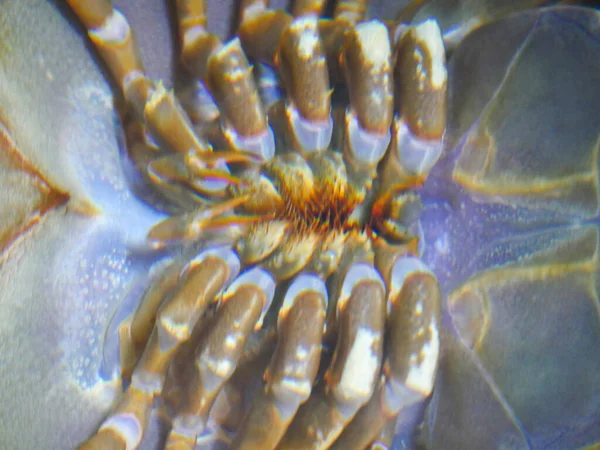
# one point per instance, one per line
(314, 194)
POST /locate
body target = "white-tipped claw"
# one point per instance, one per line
(419, 383)
(148, 382)
(417, 310)
(131, 79)
(127, 426)
(115, 29)
(374, 40)
(415, 155)
(312, 136)
(262, 144)
(223, 252)
(211, 185)
(303, 283)
(252, 10)
(366, 147)
(261, 279)
(402, 268)
(430, 33)
(188, 425)
(358, 377)
(358, 272)
(192, 34)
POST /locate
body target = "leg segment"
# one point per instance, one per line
(232, 85)
(227, 74)
(124, 428)
(189, 226)
(163, 117)
(353, 372)
(414, 310)
(295, 48)
(145, 317)
(303, 68)
(203, 279)
(112, 36)
(420, 78)
(366, 59)
(290, 375)
(240, 312)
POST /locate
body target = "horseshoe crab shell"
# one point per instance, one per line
(510, 228)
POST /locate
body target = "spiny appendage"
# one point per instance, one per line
(299, 225)
(315, 194)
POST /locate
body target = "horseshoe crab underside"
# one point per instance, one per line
(509, 225)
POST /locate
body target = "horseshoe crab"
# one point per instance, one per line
(508, 226)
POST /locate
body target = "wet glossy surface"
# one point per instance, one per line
(512, 223)
(510, 229)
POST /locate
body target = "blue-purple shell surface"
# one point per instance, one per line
(509, 226)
